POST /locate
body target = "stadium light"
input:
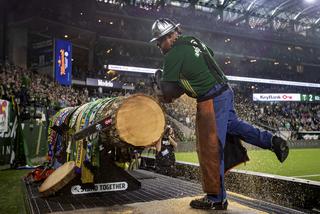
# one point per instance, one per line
(109, 50)
(66, 36)
(310, 1)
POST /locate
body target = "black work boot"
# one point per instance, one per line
(206, 204)
(280, 147)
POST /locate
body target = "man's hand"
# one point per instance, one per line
(156, 85)
(161, 97)
(157, 90)
(158, 77)
(165, 91)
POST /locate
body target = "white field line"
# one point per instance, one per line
(306, 176)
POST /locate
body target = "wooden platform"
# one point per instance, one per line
(158, 194)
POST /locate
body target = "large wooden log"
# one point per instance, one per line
(137, 120)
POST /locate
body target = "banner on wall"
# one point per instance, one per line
(308, 135)
(63, 62)
(4, 116)
(8, 133)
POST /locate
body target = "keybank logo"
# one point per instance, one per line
(276, 97)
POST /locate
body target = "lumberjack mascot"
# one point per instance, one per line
(189, 67)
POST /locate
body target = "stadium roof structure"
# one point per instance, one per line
(289, 15)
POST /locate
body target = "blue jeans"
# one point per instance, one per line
(227, 121)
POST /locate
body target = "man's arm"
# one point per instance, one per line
(170, 91)
(173, 142)
(169, 81)
(158, 145)
(167, 91)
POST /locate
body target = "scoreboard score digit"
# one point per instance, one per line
(310, 98)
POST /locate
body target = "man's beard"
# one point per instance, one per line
(164, 52)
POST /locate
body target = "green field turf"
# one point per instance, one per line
(11, 198)
(301, 163)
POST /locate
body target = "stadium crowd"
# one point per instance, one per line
(29, 87)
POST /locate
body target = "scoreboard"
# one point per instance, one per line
(310, 98)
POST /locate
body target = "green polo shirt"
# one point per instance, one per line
(185, 65)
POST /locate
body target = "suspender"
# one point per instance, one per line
(216, 71)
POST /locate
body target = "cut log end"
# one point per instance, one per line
(140, 121)
(60, 177)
